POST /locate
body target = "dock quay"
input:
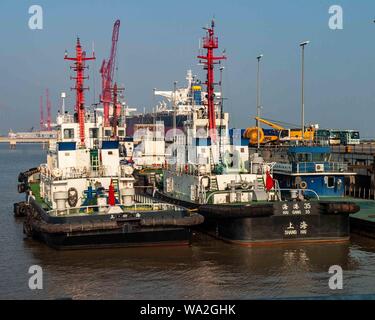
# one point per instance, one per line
(19, 140)
(361, 160)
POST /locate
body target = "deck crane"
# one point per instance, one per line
(280, 133)
(107, 71)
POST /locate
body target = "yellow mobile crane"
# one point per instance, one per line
(284, 134)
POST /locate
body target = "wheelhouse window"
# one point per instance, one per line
(311, 157)
(68, 133)
(354, 135)
(320, 157)
(330, 182)
(94, 133)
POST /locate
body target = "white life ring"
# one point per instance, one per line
(57, 173)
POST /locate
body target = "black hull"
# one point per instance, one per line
(270, 223)
(102, 231)
(142, 238)
(273, 230)
(362, 227)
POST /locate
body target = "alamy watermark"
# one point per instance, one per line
(336, 281)
(336, 20)
(36, 18)
(36, 280)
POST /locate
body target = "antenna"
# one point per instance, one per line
(210, 43)
(63, 96)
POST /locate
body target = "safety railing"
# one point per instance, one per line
(83, 172)
(137, 207)
(314, 167)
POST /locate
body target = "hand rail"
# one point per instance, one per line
(86, 209)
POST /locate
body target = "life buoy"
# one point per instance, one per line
(57, 173)
(303, 185)
(245, 185)
(72, 197)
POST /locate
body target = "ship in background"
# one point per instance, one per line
(179, 102)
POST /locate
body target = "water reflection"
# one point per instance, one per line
(210, 269)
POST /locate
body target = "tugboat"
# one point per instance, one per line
(212, 170)
(83, 197)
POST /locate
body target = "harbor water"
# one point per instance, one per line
(209, 269)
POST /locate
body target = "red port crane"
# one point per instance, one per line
(210, 43)
(48, 106)
(107, 71)
(41, 114)
(79, 68)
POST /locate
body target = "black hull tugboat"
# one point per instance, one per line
(153, 224)
(83, 197)
(211, 169)
(271, 220)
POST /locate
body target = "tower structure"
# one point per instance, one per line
(48, 107)
(41, 121)
(79, 68)
(210, 43)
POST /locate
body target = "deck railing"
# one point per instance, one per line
(83, 172)
(136, 207)
(312, 167)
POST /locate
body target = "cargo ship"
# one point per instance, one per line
(83, 197)
(176, 105)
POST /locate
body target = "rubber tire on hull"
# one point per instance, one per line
(20, 209)
(334, 208)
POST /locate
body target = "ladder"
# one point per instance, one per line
(212, 162)
(152, 180)
(213, 183)
(116, 186)
(259, 183)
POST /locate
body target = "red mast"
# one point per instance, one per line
(79, 67)
(41, 114)
(107, 71)
(48, 106)
(210, 43)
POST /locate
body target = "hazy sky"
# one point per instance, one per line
(159, 42)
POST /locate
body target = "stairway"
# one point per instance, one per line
(213, 183)
(259, 184)
(212, 162)
(116, 186)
